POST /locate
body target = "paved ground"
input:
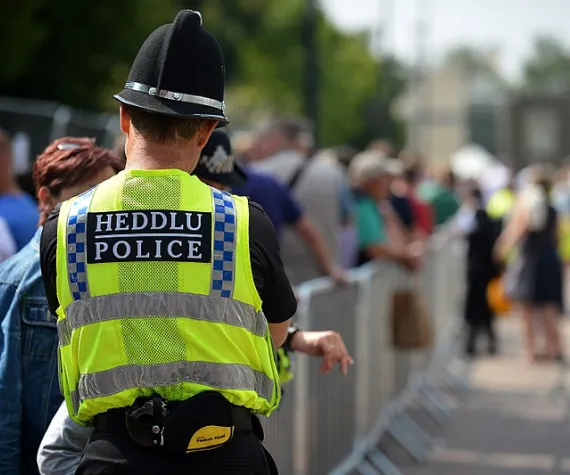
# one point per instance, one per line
(515, 421)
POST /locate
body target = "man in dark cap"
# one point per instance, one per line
(160, 285)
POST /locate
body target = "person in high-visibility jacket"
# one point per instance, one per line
(170, 295)
(501, 203)
(63, 444)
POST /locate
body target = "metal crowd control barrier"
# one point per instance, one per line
(332, 424)
(44, 121)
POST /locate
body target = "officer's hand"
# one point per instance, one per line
(325, 344)
(339, 276)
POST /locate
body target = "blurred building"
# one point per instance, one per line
(534, 129)
(448, 108)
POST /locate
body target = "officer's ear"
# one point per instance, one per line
(205, 132)
(124, 119)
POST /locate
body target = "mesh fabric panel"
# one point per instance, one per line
(152, 341)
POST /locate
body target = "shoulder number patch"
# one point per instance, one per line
(129, 236)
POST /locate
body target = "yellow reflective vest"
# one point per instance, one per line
(157, 297)
(500, 204)
(284, 365)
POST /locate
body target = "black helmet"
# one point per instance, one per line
(179, 71)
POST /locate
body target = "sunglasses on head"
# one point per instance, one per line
(67, 146)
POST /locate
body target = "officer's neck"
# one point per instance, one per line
(151, 156)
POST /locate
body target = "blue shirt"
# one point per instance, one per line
(21, 214)
(275, 198)
(28, 361)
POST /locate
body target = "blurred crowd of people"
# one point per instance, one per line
(333, 210)
(518, 234)
(366, 205)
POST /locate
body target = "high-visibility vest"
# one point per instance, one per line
(500, 204)
(157, 297)
(284, 366)
(564, 237)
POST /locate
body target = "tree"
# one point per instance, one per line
(58, 51)
(380, 122)
(82, 57)
(547, 70)
(261, 40)
(20, 37)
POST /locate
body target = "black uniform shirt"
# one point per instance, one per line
(279, 303)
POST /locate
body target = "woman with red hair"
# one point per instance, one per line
(28, 338)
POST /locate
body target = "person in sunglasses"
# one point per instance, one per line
(28, 356)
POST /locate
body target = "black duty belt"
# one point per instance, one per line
(203, 422)
(114, 421)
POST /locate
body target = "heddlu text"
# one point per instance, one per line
(127, 236)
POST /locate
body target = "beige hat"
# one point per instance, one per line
(395, 166)
(371, 164)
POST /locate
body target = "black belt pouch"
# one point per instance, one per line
(203, 422)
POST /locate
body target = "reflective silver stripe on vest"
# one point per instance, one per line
(224, 255)
(75, 401)
(75, 246)
(161, 304)
(215, 375)
(63, 332)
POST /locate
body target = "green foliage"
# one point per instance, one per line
(261, 40)
(81, 56)
(547, 70)
(20, 37)
(348, 79)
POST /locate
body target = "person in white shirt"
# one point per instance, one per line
(283, 150)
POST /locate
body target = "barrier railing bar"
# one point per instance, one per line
(61, 119)
(408, 440)
(27, 107)
(301, 391)
(383, 463)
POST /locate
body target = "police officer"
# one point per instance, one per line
(170, 295)
(64, 442)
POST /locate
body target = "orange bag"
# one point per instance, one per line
(497, 297)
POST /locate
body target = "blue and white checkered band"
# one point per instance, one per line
(76, 253)
(224, 254)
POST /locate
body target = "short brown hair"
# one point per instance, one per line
(162, 128)
(292, 128)
(57, 168)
